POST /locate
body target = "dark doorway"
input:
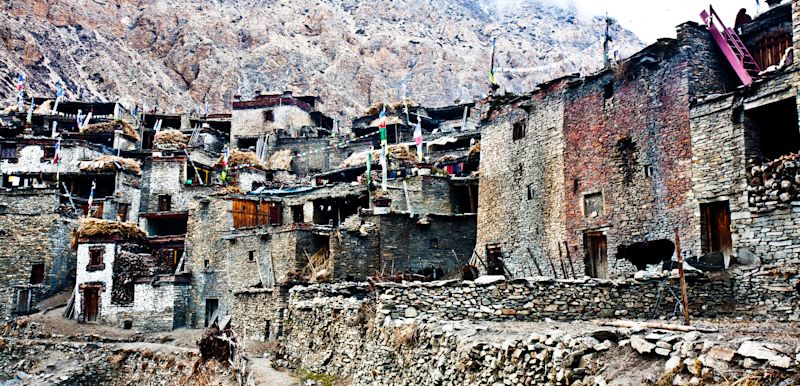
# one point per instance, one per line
(494, 259)
(91, 303)
(596, 255)
(37, 273)
(212, 305)
(716, 222)
(772, 131)
(23, 301)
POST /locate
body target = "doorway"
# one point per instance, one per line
(91, 303)
(212, 305)
(596, 255)
(716, 220)
(23, 301)
(494, 259)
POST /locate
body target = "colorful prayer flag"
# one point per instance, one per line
(30, 112)
(79, 119)
(384, 169)
(57, 156)
(91, 199)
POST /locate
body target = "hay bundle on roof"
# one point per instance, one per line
(397, 152)
(402, 152)
(110, 127)
(171, 137)
(45, 108)
(106, 163)
(281, 160)
(92, 227)
(475, 149)
(395, 107)
(446, 158)
(242, 158)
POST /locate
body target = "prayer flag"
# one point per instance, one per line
(382, 125)
(384, 169)
(418, 140)
(91, 199)
(369, 167)
(30, 112)
(57, 156)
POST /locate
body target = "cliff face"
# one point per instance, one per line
(179, 54)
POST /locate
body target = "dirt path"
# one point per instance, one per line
(264, 374)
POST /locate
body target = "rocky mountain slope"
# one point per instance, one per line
(179, 54)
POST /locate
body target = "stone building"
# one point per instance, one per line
(118, 283)
(584, 165)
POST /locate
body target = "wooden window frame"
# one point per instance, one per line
(248, 213)
(96, 257)
(519, 130)
(164, 203)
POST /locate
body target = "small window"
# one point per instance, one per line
(434, 243)
(648, 171)
(297, 214)
(8, 151)
(37, 273)
(269, 116)
(122, 211)
(49, 153)
(205, 263)
(519, 130)
(530, 192)
(164, 203)
(251, 255)
(96, 258)
(608, 90)
(593, 205)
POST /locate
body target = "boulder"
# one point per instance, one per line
(765, 351)
(641, 345)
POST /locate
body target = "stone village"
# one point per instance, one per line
(575, 202)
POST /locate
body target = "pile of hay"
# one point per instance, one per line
(171, 138)
(446, 158)
(112, 163)
(395, 107)
(110, 127)
(241, 158)
(45, 108)
(319, 267)
(475, 149)
(9, 110)
(396, 152)
(281, 160)
(92, 227)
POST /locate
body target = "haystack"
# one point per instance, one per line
(171, 137)
(92, 227)
(319, 267)
(106, 163)
(390, 107)
(446, 158)
(396, 152)
(241, 158)
(110, 127)
(281, 160)
(9, 110)
(45, 108)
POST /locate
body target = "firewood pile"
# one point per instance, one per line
(773, 183)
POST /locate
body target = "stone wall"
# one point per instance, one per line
(33, 233)
(756, 293)
(396, 243)
(722, 143)
(335, 330)
(30, 156)
(510, 168)
(427, 194)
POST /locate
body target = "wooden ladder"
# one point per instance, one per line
(732, 47)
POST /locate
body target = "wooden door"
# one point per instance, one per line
(596, 255)
(91, 302)
(716, 218)
(24, 301)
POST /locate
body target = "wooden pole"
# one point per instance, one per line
(684, 296)
(569, 258)
(536, 263)
(552, 266)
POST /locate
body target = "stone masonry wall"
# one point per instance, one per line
(757, 293)
(31, 232)
(507, 215)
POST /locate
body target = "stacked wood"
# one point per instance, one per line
(171, 138)
(281, 160)
(92, 227)
(242, 158)
(773, 183)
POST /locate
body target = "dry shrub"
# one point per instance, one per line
(394, 107)
(110, 127)
(405, 335)
(106, 163)
(620, 69)
(118, 359)
(92, 227)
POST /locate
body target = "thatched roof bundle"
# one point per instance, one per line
(395, 107)
(92, 227)
(110, 127)
(45, 108)
(106, 163)
(397, 152)
(475, 149)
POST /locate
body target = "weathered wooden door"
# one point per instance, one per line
(717, 227)
(596, 255)
(91, 302)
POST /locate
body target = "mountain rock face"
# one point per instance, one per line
(179, 54)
